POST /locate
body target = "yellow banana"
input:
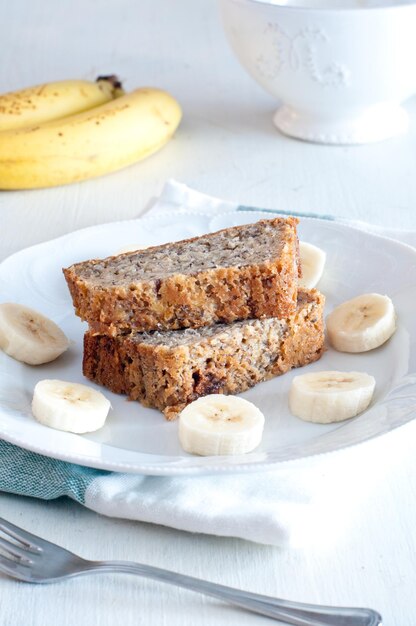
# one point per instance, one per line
(89, 144)
(42, 103)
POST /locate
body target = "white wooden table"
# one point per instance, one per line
(226, 146)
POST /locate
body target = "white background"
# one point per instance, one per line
(228, 147)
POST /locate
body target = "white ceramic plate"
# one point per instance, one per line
(136, 439)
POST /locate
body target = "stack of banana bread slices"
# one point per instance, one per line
(212, 314)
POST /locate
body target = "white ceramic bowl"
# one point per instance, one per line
(340, 68)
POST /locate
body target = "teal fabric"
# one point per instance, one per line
(29, 474)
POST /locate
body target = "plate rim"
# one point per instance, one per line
(232, 465)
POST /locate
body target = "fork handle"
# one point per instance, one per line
(294, 613)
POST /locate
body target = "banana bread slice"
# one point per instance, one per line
(167, 370)
(238, 273)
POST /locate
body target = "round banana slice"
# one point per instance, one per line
(312, 261)
(361, 324)
(67, 406)
(326, 397)
(29, 336)
(220, 425)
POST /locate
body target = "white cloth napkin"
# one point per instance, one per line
(301, 502)
(176, 196)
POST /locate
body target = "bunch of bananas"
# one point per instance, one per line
(71, 130)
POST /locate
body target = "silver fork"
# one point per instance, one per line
(31, 559)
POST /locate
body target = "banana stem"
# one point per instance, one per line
(115, 82)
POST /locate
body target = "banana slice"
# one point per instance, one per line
(326, 397)
(218, 424)
(361, 324)
(312, 261)
(71, 407)
(29, 336)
